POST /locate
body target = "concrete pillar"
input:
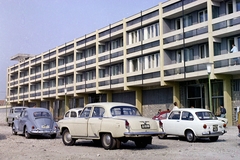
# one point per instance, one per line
(139, 99)
(66, 103)
(176, 94)
(51, 102)
(85, 100)
(228, 99)
(109, 97)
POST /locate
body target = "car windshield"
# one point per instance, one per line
(41, 115)
(18, 110)
(205, 115)
(124, 110)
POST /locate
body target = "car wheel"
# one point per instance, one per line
(190, 136)
(67, 138)
(118, 143)
(53, 136)
(108, 142)
(13, 130)
(141, 143)
(26, 134)
(213, 139)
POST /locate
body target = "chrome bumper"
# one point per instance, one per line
(142, 134)
(214, 133)
(43, 132)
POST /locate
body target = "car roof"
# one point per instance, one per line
(109, 104)
(75, 109)
(19, 107)
(192, 109)
(36, 110)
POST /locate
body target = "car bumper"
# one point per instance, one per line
(142, 134)
(44, 132)
(214, 133)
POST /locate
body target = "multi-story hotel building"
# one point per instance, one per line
(151, 59)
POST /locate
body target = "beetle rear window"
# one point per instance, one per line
(124, 110)
(41, 114)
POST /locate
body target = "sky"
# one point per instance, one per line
(36, 26)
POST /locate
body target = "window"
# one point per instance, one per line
(229, 7)
(90, 75)
(135, 65)
(189, 54)
(178, 24)
(117, 69)
(238, 5)
(203, 51)
(101, 73)
(187, 116)
(175, 115)
(60, 62)
(188, 20)
(98, 112)
(179, 56)
(202, 16)
(73, 114)
(79, 77)
(86, 112)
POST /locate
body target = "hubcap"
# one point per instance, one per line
(68, 137)
(107, 140)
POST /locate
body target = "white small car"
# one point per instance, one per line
(73, 113)
(193, 123)
(14, 113)
(109, 124)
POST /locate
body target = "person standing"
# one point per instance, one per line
(233, 50)
(175, 105)
(222, 111)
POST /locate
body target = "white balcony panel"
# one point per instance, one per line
(152, 80)
(134, 83)
(134, 73)
(135, 54)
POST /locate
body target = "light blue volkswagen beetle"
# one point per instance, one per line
(35, 121)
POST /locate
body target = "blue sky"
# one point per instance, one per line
(35, 26)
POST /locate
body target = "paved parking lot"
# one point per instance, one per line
(172, 148)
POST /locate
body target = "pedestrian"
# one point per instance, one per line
(222, 111)
(175, 105)
(233, 50)
(159, 111)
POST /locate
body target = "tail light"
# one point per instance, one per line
(127, 125)
(224, 125)
(33, 127)
(204, 126)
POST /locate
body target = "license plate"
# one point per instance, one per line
(145, 126)
(215, 128)
(45, 126)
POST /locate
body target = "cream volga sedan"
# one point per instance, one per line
(193, 123)
(110, 124)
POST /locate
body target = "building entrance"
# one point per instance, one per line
(195, 96)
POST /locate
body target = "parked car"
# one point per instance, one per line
(35, 121)
(161, 115)
(193, 123)
(224, 120)
(109, 124)
(73, 113)
(14, 113)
